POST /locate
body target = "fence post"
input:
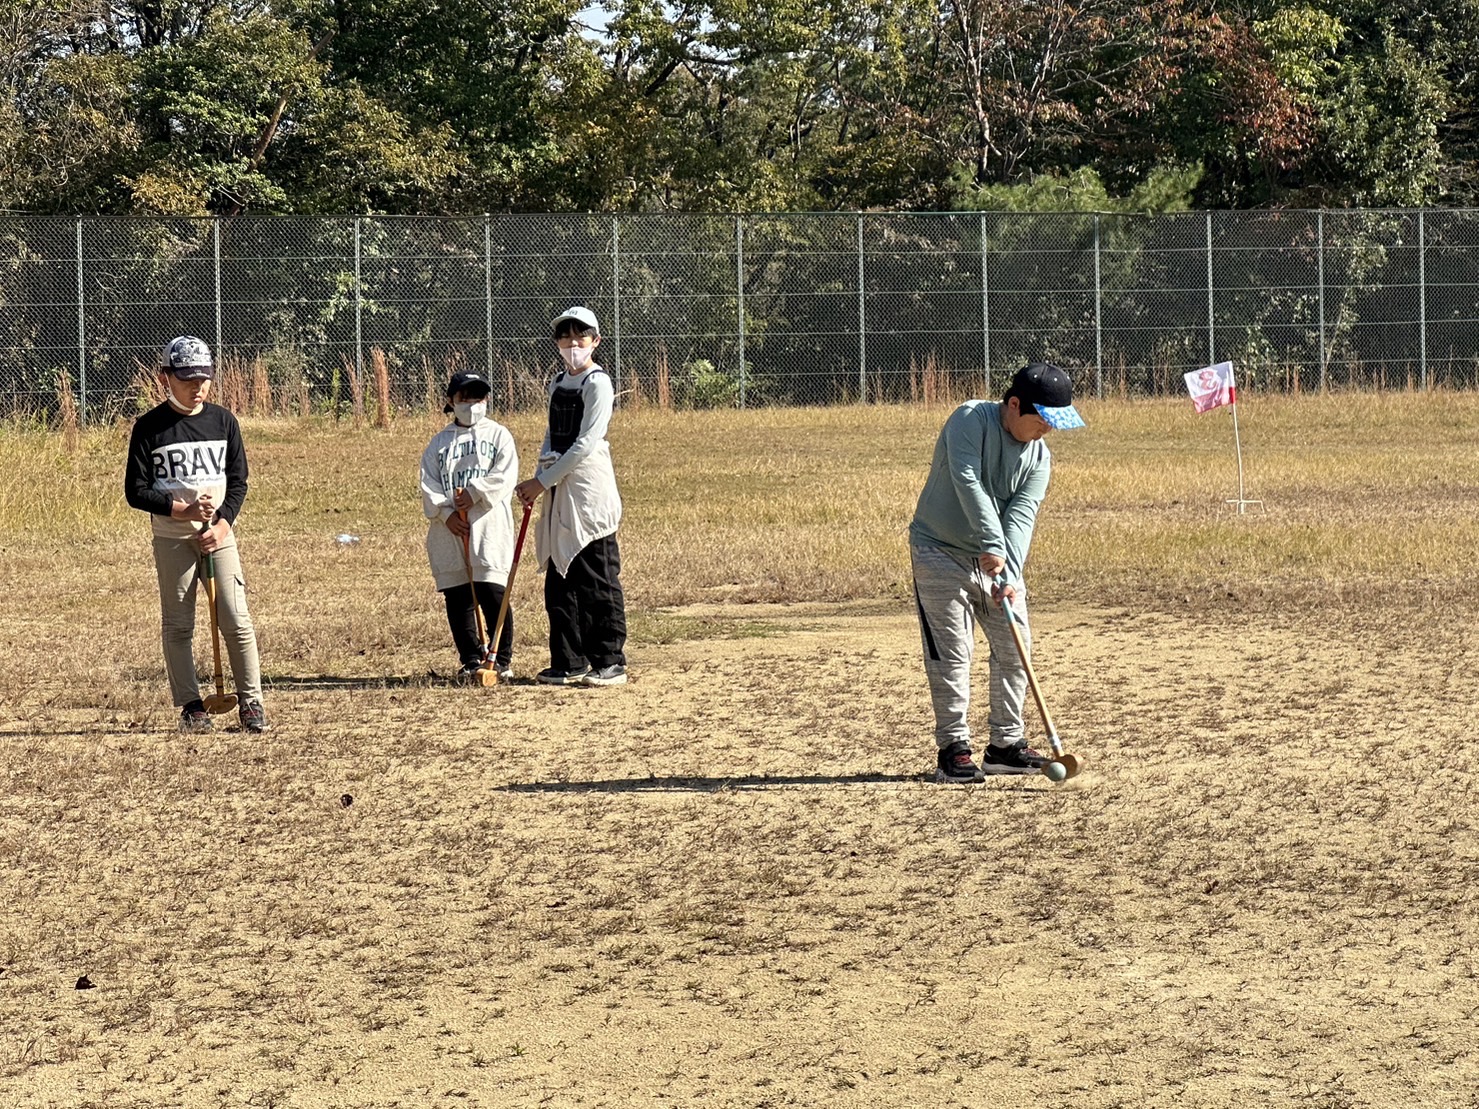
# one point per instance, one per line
(985, 311)
(1422, 298)
(739, 288)
(81, 334)
(1320, 270)
(862, 322)
(616, 303)
(1098, 319)
(216, 237)
(1211, 303)
(359, 361)
(488, 295)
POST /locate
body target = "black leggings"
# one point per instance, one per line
(463, 622)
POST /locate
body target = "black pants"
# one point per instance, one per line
(587, 611)
(463, 621)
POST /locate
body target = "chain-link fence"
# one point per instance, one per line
(704, 311)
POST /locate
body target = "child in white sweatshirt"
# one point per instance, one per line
(467, 475)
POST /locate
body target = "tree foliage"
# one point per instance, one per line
(195, 107)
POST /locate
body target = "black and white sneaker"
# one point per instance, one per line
(553, 676)
(956, 766)
(253, 717)
(194, 719)
(1011, 760)
(615, 674)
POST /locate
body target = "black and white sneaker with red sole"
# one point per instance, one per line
(955, 766)
(555, 676)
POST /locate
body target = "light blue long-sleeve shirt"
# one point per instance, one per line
(983, 489)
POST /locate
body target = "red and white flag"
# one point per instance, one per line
(1211, 387)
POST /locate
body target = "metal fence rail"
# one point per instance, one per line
(703, 311)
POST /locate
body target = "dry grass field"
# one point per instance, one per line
(726, 884)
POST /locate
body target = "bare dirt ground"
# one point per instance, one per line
(727, 885)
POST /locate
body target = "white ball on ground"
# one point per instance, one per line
(1055, 771)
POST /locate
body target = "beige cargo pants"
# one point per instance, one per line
(181, 567)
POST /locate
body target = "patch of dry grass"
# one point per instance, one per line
(804, 504)
(724, 884)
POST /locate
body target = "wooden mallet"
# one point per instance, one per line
(1062, 765)
(508, 590)
(486, 673)
(220, 701)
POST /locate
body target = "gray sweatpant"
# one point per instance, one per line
(181, 567)
(953, 595)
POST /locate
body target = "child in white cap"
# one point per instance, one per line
(575, 542)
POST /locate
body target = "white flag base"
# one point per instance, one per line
(1243, 504)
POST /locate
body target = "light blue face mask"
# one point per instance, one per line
(470, 412)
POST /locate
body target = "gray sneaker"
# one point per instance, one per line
(615, 674)
(253, 716)
(194, 719)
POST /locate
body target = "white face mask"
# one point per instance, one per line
(577, 358)
(470, 412)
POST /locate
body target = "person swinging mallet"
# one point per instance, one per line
(968, 547)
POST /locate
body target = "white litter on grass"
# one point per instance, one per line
(344, 539)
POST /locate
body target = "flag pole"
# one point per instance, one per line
(1212, 387)
(1242, 502)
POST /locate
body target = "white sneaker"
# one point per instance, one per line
(615, 674)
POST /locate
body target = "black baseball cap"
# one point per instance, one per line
(1042, 383)
(467, 380)
(1048, 389)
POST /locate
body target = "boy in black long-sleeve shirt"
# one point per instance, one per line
(187, 468)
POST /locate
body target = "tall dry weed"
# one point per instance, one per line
(67, 415)
(432, 396)
(382, 387)
(927, 382)
(664, 382)
(356, 392)
(231, 388)
(144, 387)
(301, 399)
(261, 399)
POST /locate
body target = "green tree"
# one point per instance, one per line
(476, 72)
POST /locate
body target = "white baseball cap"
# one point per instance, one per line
(583, 316)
